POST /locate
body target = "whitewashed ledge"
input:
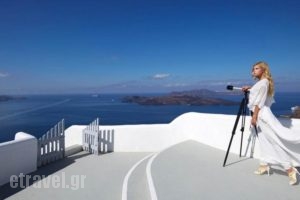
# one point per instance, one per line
(20, 155)
(211, 129)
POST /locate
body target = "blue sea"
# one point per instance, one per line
(36, 114)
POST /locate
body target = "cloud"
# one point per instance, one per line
(3, 75)
(160, 76)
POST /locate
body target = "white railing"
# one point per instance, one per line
(106, 140)
(90, 137)
(97, 141)
(51, 146)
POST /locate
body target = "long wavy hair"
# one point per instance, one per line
(266, 74)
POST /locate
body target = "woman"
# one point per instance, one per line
(278, 144)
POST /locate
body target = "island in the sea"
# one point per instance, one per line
(192, 97)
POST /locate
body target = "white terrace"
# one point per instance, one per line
(180, 160)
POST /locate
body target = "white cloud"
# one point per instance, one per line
(160, 76)
(3, 75)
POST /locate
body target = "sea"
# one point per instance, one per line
(36, 114)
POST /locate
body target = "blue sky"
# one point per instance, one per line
(97, 46)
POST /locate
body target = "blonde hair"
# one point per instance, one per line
(266, 74)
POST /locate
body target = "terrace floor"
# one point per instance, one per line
(189, 170)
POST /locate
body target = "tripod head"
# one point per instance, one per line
(246, 92)
(231, 87)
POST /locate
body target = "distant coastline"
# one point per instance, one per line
(9, 98)
(192, 97)
(295, 112)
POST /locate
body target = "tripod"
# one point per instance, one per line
(242, 112)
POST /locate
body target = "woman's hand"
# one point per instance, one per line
(246, 88)
(254, 120)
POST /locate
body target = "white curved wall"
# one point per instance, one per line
(18, 156)
(211, 129)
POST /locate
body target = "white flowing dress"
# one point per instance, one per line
(278, 145)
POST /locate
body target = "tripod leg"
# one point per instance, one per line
(254, 136)
(228, 149)
(253, 145)
(256, 132)
(250, 138)
(234, 129)
(241, 144)
(244, 112)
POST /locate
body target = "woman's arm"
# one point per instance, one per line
(255, 115)
(246, 88)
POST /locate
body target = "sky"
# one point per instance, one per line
(145, 46)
